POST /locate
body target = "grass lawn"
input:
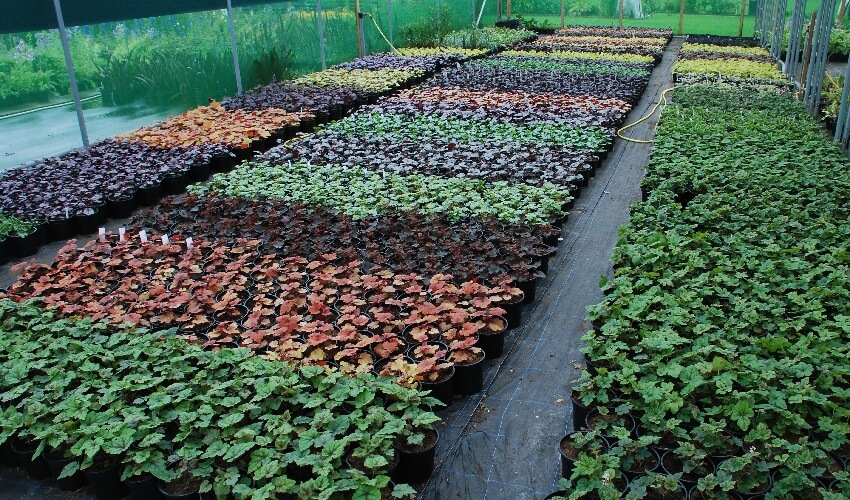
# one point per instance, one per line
(694, 24)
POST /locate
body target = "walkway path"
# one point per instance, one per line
(502, 442)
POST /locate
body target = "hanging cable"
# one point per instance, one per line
(381, 32)
(661, 100)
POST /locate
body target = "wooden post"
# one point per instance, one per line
(841, 13)
(807, 51)
(359, 21)
(499, 10)
(741, 22)
(621, 14)
(681, 15)
(509, 8)
(563, 11)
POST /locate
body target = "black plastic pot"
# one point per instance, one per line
(35, 468)
(514, 313)
(72, 483)
(529, 288)
(493, 344)
(442, 390)
(469, 378)
(121, 208)
(7, 456)
(567, 462)
(688, 479)
(259, 146)
(292, 130)
(174, 183)
(221, 163)
(142, 487)
(242, 154)
(200, 171)
(85, 224)
(24, 246)
(416, 466)
(336, 112)
(60, 228)
(579, 412)
(307, 126)
(148, 196)
(106, 484)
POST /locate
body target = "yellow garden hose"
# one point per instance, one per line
(382, 33)
(661, 100)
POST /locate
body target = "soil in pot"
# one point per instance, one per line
(640, 462)
(751, 484)
(595, 419)
(416, 462)
(359, 463)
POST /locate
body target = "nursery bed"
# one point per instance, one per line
(500, 442)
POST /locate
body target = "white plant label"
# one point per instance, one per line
(101, 233)
(189, 242)
(121, 232)
(143, 236)
(164, 239)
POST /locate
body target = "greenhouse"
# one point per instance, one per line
(431, 249)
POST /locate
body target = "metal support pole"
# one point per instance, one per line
(72, 76)
(480, 12)
(361, 42)
(778, 28)
(620, 7)
(563, 12)
(390, 20)
(820, 49)
(841, 11)
(741, 22)
(321, 25)
(842, 127)
(681, 15)
(792, 54)
(233, 48)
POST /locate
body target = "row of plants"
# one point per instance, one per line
(486, 38)
(379, 123)
(74, 193)
(406, 242)
(717, 364)
(86, 401)
(573, 55)
(215, 124)
(363, 193)
(473, 77)
(512, 162)
(375, 81)
(551, 64)
(325, 312)
(601, 31)
(514, 107)
(755, 63)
